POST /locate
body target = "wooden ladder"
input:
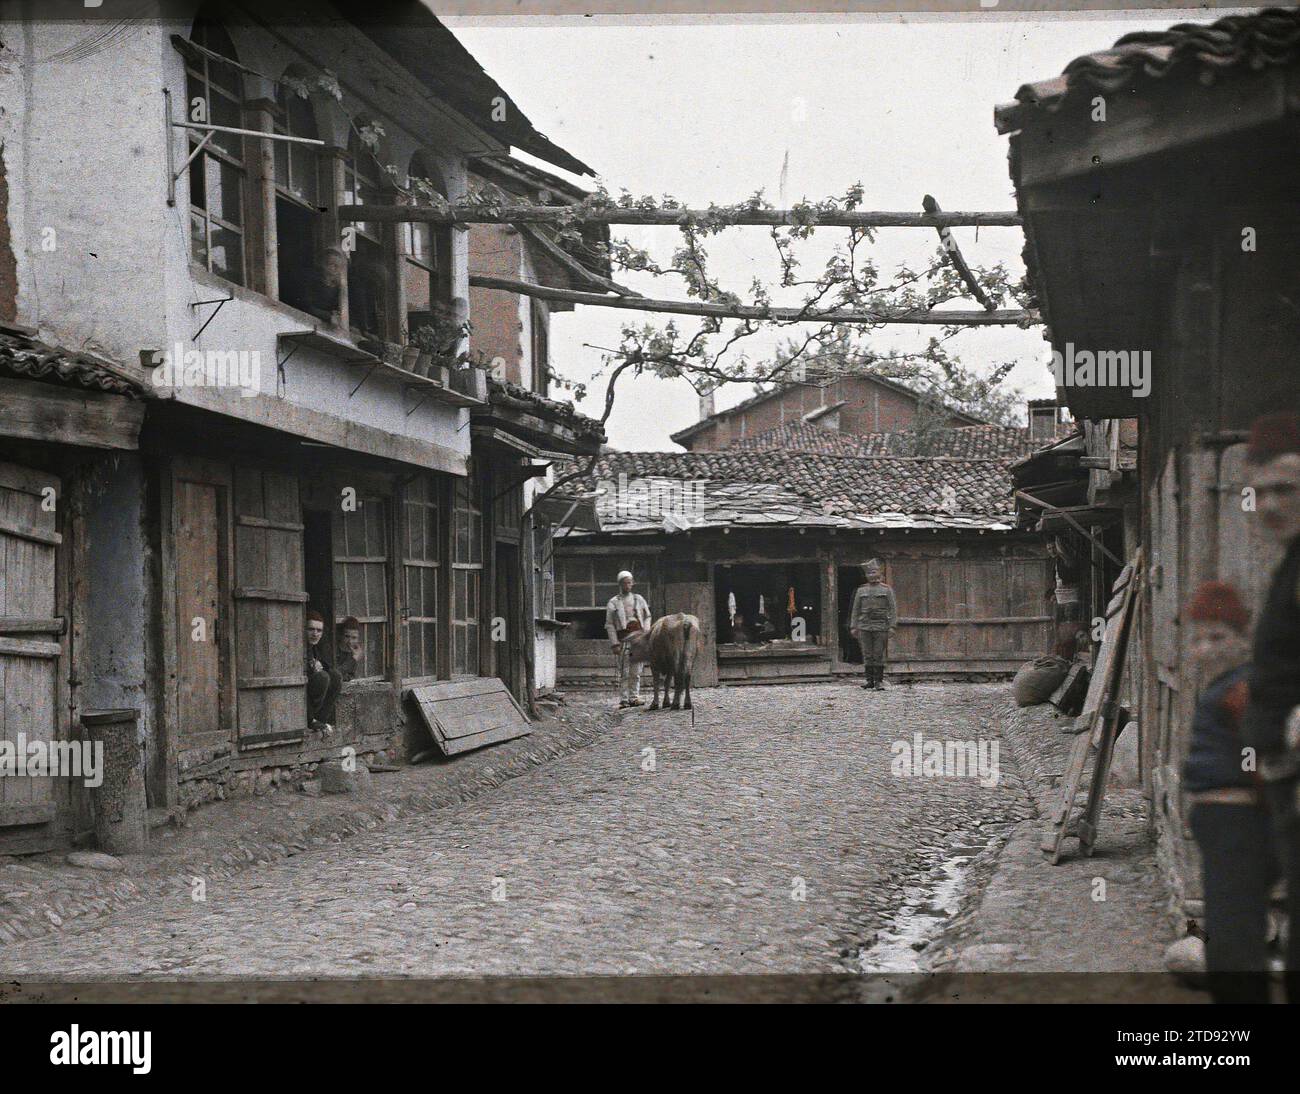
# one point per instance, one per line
(1097, 727)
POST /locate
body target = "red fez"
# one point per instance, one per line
(1273, 435)
(1219, 602)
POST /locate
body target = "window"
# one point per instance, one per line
(361, 579)
(1042, 422)
(585, 581)
(217, 174)
(367, 268)
(543, 572)
(421, 558)
(296, 204)
(426, 258)
(466, 575)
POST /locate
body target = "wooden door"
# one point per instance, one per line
(202, 702)
(908, 578)
(946, 599)
(199, 693)
(270, 607)
(29, 646)
(506, 578)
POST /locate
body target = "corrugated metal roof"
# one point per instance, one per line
(1191, 50)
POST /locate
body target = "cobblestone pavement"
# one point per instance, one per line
(41, 894)
(593, 864)
(1089, 929)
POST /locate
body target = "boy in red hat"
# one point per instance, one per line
(1272, 723)
(1228, 817)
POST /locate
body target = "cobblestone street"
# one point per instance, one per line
(770, 836)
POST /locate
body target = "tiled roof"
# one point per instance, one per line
(1194, 50)
(743, 487)
(22, 354)
(502, 391)
(968, 442)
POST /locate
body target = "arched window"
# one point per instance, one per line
(367, 267)
(214, 93)
(296, 165)
(303, 281)
(426, 255)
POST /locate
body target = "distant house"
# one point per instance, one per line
(968, 442)
(779, 537)
(847, 404)
(1169, 230)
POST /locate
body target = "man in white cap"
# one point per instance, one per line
(625, 614)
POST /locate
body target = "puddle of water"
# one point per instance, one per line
(925, 911)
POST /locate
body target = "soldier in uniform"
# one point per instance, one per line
(872, 619)
(1272, 721)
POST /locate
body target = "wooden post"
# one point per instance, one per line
(933, 318)
(264, 266)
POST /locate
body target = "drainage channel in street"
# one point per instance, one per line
(929, 907)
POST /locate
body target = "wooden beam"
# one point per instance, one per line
(567, 214)
(1071, 522)
(935, 318)
(572, 265)
(954, 254)
(37, 411)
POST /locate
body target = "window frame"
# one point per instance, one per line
(339, 541)
(198, 71)
(466, 506)
(435, 570)
(282, 123)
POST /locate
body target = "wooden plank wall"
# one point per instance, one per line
(269, 603)
(29, 650)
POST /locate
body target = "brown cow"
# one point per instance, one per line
(669, 647)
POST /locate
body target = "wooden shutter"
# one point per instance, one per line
(29, 646)
(270, 647)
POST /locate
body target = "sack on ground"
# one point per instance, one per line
(1037, 679)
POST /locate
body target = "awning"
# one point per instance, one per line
(1077, 517)
(566, 511)
(498, 436)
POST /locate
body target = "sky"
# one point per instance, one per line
(709, 109)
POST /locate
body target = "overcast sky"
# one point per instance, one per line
(710, 109)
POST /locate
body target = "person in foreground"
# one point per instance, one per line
(1272, 723)
(625, 615)
(1228, 818)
